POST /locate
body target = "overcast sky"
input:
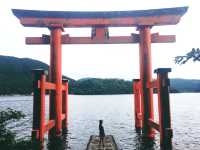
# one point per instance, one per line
(103, 61)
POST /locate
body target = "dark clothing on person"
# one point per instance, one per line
(101, 131)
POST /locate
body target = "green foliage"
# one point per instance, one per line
(15, 74)
(10, 114)
(194, 54)
(16, 78)
(7, 138)
(91, 86)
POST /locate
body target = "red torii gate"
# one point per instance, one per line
(144, 20)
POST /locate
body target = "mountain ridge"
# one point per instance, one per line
(16, 78)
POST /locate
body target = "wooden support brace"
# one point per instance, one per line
(49, 125)
(154, 125)
(42, 113)
(63, 117)
(137, 105)
(38, 105)
(65, 105)
(100, 33)
(152, 84)
(164, 108)
(50, 86)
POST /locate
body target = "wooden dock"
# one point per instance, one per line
(109, 143)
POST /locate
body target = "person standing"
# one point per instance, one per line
(101, 133)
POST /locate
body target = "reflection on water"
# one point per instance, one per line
(59, 143)
(142, 143)
(117, 113)
(62, 143)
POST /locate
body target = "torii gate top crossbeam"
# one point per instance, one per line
(153, 17)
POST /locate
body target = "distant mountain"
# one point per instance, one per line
(92, 86)
(185, 85)
(15, 74)
(16, 78)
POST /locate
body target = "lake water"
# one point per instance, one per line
(117, 113)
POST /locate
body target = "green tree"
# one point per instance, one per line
(8, 138)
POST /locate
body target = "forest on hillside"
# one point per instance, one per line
(16, 78)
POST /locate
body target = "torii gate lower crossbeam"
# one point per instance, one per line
(134, 38)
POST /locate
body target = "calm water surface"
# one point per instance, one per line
(117, 113)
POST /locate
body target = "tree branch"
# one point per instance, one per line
(194, 54)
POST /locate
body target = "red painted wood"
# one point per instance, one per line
(146, 76)
(38, 106)
(154, 125)
(65, 104)
(57, 60)
(138, 105)
(99, 33)
(152, 84)
(66, 39)
(52, 94)
(48, 85)
(64, 87)
(63, 116)
(156, 38)
(111, 22)
(42, 107)
(49, 125)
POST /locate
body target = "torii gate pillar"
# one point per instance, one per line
(55, 76)
(146, 77)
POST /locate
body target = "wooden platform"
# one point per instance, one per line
(109, 143)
